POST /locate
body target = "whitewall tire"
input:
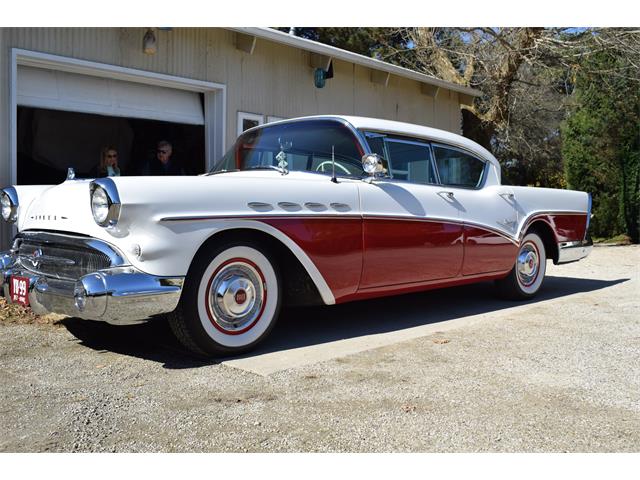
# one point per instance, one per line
(230, 302)
(527, 275)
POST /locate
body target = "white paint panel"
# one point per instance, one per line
(52, 89)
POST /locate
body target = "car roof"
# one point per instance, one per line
(408, 129)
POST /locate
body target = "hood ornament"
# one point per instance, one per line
(71, 174)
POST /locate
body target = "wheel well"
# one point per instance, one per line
(297, 286)
(548, 238)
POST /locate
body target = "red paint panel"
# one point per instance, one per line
(404, 251)
(567, 227)
(486, 251)
(333, 245)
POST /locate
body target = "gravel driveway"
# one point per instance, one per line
(449, 370)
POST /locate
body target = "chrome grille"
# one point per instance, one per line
(56, 260)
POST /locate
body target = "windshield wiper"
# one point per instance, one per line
(221, 171)
(268, 167)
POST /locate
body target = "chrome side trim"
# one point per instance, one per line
(574, 251)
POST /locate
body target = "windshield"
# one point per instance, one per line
(306, 145)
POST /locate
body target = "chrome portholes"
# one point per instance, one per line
(236, 296)
(528, 264)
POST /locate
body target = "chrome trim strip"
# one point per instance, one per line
(344, 216)
(197, 218)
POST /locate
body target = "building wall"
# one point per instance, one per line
(274, 80)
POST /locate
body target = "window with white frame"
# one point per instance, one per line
(248, 120)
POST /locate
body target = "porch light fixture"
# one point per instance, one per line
(149, 42)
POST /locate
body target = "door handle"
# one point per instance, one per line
(450, 195)
(507, 195)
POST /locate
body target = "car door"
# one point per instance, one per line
(412, 231)
(489, 211)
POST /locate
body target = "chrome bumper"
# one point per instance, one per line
(574, 251)
(118, 295)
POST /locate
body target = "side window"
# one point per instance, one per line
(407, 159)
(457, 168)
(410, 161)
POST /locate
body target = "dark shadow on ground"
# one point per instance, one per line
(300, 327)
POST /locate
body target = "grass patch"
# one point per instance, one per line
(621, 239)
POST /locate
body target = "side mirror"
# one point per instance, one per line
(372, 164)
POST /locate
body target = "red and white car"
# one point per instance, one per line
(324, 209)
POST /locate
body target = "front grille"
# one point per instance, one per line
(68, 262)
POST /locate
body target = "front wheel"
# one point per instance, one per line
(527, 275)
(230, 302)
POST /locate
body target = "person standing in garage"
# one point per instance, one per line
(163, 163)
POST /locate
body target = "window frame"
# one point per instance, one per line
(248, 116)
(408, 141)
(483, 174)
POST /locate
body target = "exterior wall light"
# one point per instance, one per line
(320, 75)
(149, 42)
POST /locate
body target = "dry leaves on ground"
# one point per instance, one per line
(11, 313)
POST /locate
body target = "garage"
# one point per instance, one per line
(68, 111)
(66, 119)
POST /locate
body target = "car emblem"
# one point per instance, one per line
(35, 261)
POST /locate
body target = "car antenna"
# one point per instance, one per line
(333, 164)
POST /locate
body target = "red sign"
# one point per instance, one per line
(19, 290)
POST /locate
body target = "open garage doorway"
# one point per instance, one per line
(66, 110)
(50, 141)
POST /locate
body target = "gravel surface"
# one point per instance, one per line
(561, 373)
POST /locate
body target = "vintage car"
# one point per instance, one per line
(314, 210)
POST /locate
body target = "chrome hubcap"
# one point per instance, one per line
(528, 264)
(236, 296)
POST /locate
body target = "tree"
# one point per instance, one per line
(526, 76)
(601, 143)
(375, 42)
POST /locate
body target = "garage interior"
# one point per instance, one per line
(66, 119)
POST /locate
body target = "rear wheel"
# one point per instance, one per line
(527, 275)
(230, 302)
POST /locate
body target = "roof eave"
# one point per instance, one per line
(340, 54)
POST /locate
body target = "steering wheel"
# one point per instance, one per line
(321, 167)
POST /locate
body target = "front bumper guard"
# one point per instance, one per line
(118, 295)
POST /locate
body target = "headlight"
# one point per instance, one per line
(100, 205)
(105, 202)
(9, 202)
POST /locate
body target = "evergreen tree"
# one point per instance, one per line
(601, 144)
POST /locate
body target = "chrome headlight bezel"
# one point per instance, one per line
(9, 200)
(106, 187)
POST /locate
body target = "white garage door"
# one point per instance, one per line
(56, 90)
